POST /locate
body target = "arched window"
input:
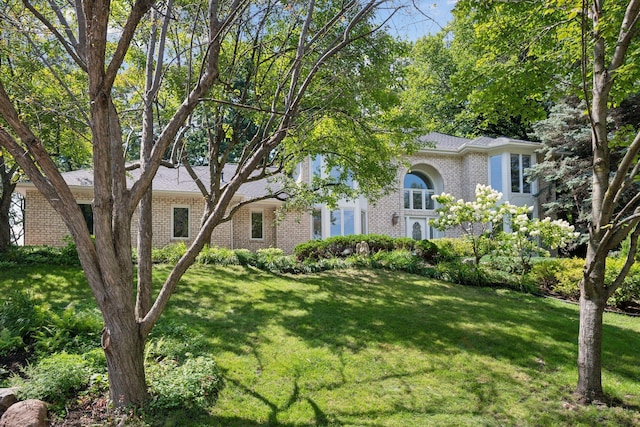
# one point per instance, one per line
(418, 189)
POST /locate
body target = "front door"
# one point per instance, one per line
(417, 228)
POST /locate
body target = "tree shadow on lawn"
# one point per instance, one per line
(50, 283)
(355, 310)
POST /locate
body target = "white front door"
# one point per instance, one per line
(417, 228)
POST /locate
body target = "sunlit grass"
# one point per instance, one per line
(379, 348)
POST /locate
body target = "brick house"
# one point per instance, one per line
(445, 164)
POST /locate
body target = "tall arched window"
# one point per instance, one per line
(418, 189)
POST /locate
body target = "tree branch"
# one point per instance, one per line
(65, 43)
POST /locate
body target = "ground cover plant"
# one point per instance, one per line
(366, 347)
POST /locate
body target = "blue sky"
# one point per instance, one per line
(411, 23)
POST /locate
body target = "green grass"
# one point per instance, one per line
(378, 349)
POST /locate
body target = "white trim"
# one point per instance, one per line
(173, 231)
(251, 212)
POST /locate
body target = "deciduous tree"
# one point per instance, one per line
(266, 84)
(542, 50)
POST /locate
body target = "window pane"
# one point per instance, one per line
(429, 201)
(412, 180)
(180, 222)
(515, 173)
(363, 222)
(316, 219)
(349, 222)
(417, 199)
(495, 166)
(256, 225)
(336, 223)
(87, 213)
(526, 163)
(407, 200)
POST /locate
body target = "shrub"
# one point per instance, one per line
(345, 246)
(19, 314)
(450, 249)
(462, 273)
(216, 255)
(32, 255)
(629, 292)
(9, 342)
(558, 276)
(72, 331)
(194, 384)
(245, 257)
(426, 249)
(568, 276)
(406, 243)
(398, 260)
(53, 379)
(169, 254)
(95, 359)
(274, 259)
(544, 273)
(329, 264)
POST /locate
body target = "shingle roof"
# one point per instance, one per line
(442, 141)
(175, 179)
(453, 143)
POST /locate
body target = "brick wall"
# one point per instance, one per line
(242, 228)
(452, 174)
(43, 226)
(456, 175)
(293, 229)
(475, 169)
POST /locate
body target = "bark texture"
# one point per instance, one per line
(611, 220)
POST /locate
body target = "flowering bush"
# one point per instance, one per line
(500, 228)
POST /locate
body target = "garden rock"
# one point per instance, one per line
(7, 398)
(28, 413)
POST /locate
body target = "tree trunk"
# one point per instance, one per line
(123, 346)
(124, 349)
(6, 192)
(145, 263)
(590, 350)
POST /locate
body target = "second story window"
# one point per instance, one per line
(519, 184)
(418, 189)
(319, 169)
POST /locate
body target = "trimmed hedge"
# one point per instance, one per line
(345, 246)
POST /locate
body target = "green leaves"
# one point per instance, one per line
(498, 227)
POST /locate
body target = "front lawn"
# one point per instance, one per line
(362, 347)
